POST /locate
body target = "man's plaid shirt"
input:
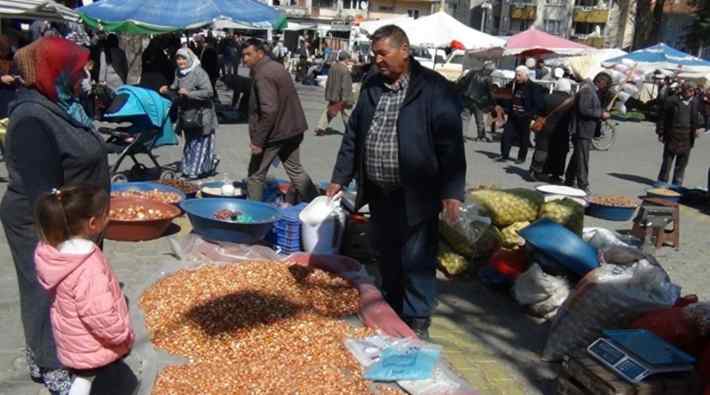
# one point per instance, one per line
(382, 146)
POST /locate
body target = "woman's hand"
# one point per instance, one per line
(7, 79)
(163, 89)
(183, 92)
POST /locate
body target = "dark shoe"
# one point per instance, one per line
(320, 132)
(535, 176)
(520, 161)
(557, 180)
(420, 326)
(502, 159)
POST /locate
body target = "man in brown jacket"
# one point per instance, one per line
(276, 123)
(338, 93)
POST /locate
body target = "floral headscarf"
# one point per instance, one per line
(54, 66)
(192, 60)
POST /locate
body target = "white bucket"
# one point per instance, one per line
(323, 226)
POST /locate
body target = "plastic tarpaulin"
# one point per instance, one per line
(158, 16)
(586, 66)
(536, 40)
(661, 56)
(37, 9)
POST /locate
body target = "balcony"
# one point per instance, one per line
(591, 15)
(526, 12)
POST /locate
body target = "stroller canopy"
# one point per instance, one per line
(145, 109)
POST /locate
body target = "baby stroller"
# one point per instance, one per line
(147, 115)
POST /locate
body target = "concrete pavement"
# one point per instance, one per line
(485, 335)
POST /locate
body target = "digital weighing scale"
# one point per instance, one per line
(635, 354)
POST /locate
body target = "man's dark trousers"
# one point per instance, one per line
(681, 162)
(516, 127)
(578, 168)
(406, 254)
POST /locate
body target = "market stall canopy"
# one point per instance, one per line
(369, 27)
(37, 9)
(293, 26)
(661, 56)
(158, 16)
(536, 41)
(221, 24)
(441, 29)
(586, 66)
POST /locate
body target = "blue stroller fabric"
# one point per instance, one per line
(149, 109)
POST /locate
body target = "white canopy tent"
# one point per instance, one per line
(586, 66)
(440, 29)
(37, 9)
(402, 21)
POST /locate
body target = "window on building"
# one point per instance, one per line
(583, 28)
(586, 3)
(413, 13)
(327, 3)
(553, 26)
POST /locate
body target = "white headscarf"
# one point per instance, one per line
(192, 60)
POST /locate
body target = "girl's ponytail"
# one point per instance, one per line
(50, 218)
(61, 214)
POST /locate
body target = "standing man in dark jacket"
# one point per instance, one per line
(276, 123)
(405, 147)
(209, 59)
(681, 123)
(476, 87)
(524, 106)
(552, 142)
(338, 93)
(586, 120)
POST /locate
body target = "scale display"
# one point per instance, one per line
(637, 354)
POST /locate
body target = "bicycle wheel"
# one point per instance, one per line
(606, 138)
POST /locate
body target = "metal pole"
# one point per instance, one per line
(483, 19)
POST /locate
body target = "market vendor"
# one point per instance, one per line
(404, 145)
(526, 103)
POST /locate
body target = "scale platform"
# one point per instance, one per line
(635, 354)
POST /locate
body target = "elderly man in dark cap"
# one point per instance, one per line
(681, 123)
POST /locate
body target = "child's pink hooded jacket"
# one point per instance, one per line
(90, 319)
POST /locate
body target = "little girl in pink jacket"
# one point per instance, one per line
(89, 315)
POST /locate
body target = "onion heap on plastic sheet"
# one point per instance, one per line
(257, 328)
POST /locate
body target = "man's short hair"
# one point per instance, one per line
(343, 56)
(259, 45)
(603, 76)
(395, 33)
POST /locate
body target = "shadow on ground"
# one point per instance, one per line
(633, 178)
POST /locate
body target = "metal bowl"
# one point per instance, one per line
(219, 184)
(146, 186)
(140, 230)
(201, 214)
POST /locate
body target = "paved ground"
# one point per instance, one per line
(485, 335)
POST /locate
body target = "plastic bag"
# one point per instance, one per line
(472, 235)
(610, 296)
(535, 286)
(194, 248)
(405, 359)
(451, 263)
(508, 206)
(565, 212)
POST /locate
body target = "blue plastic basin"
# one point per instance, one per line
(201, 214)
(145, 186)
(610, 213)
(562, 245)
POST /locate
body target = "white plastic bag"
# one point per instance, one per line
(610, 296)
(534, 286)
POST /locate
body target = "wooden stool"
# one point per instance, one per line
(663, 236)
(583, 375)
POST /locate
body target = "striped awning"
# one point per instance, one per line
(37, 9)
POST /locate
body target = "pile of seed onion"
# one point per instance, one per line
(257, 328)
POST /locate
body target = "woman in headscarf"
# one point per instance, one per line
(50, 143)
(197, 117)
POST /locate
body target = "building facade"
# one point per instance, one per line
(599, 23)
(346, 11)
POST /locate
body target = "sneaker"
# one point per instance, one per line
(557, 180)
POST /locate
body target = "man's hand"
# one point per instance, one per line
(183, 92)
(333, 189)
(7, 79)
(452, 210)
(164, 89)
(256, 150)
(698, 132)
(605, 116)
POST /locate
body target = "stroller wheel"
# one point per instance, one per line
(138, 171)
(168, 175)
(119, 178)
